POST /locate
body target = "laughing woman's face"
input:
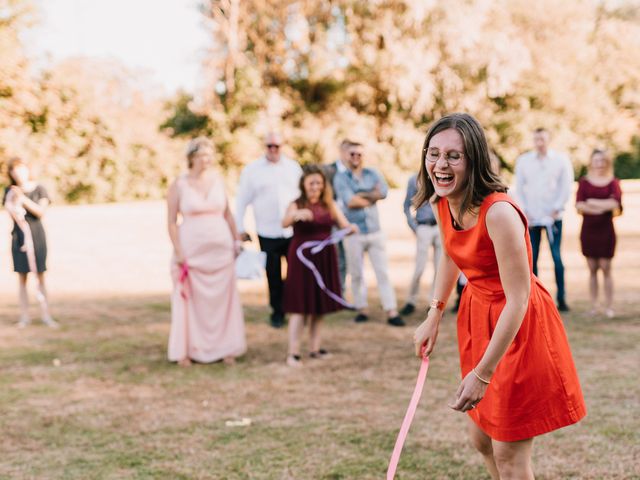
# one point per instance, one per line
(446, 163)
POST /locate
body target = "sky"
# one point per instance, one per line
(162, 37)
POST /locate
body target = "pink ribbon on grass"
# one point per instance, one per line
(408, 418)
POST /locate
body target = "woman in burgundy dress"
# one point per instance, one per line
(312, 216)
(599, 197)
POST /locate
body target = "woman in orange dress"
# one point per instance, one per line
(518, 375)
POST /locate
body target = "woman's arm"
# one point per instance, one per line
(290, 216)
(588, 209)
(446, 277)
(340, 219)
(36, 209)
(507, 232)
(172, 220)
(605, 204)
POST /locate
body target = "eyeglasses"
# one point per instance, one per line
(355, 155)
(452, 157)
(274, 146)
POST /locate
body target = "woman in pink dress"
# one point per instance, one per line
(598, 197)
(207, 322)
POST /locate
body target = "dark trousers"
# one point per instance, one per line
(275, 248)
(342, 266)
(535, 233)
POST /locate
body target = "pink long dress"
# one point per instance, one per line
(207, 322)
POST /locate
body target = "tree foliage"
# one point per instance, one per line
(381, 71)
(378, 71)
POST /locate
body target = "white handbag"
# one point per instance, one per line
(250, 264)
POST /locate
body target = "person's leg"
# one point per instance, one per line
(274, 278)
(378, 257)
(422, 256)
(557, 263)
(44, 302)
(593, 284)
(605, 266)
(282, 251)
(296, 325)
(535, 235)
(513, 459)
(482, 443)
(354, 249)
(24, 300)
(315, 339)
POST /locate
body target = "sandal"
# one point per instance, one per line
(294, 361)
(322, 353)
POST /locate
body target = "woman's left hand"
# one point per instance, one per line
(237, 248)
(354, 229)
(470, 392)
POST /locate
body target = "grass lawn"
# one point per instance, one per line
(98, 400)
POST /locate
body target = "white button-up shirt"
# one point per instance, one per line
(543, 185)
(269, 188)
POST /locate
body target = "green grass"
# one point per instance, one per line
(114, 408)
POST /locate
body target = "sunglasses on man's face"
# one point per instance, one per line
(355, 155)
(273, 146)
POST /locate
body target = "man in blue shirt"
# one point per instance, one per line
(330, 171)
(358, 190)
(423, 224)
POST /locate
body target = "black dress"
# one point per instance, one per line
(20, 262)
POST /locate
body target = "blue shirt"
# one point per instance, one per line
(424, 214)
(347, 185)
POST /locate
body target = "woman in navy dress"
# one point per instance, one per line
(26, 202)
(312, 215)
(598, 198)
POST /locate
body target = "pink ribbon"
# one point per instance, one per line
(408, 418)
(316, 246)
(184, 276)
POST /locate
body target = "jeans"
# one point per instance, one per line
(535, 233)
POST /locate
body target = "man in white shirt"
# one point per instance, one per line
(270, 184)
(543, 186)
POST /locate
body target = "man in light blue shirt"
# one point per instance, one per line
(423, 223)
(358, 190)
(330, 171)
(544, 179)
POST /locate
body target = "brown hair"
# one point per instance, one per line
(13, 163)
(326, 197)
(194, 146)
(482, 180)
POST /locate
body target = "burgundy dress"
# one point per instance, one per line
(597, 236)
(301, 292)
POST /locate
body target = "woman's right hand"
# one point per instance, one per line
(179, 257)
(303, 215)
(427, 333)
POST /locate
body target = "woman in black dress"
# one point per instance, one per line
(312, 216)
(26, 201)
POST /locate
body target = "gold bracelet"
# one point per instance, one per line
(479, 377)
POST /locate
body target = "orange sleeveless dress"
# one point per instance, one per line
(535, 388)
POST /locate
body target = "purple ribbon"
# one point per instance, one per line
(317, 246)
